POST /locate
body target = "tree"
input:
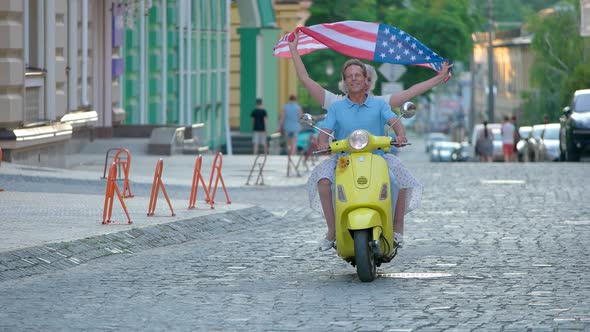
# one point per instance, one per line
(444, 26)
(509, 13)
(559, 67)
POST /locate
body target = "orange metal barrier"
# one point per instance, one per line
(155, 186)
(109, 197)
(217, 163)
(126, 164)
(195, 187)
(123, 165)
(106, 161)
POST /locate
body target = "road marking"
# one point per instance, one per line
(503, 181)
(577, 222)
(415, 275)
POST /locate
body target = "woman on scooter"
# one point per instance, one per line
(410, 188)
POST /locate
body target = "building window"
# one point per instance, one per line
(34, 31)
(34, 46)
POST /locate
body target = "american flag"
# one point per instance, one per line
(362, 40)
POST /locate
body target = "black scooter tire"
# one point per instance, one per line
(366, 268)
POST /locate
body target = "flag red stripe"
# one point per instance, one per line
(305, 45)
(340, 45)
(355, 32)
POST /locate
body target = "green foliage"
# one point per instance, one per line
(508, 11)
(560, 66)
(580, 79)
(443, 26)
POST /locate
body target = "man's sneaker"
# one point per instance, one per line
(398, 238)
(325, 244)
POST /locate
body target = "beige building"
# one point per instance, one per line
(512, 63)
(289, 14)
(56, 61)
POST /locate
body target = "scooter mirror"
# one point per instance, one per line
(408, 110)
(307, 118)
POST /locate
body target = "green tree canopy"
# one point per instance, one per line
(442, 25)
(560, 66)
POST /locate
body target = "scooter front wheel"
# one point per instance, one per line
(364, 257)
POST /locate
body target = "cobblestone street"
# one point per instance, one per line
(493, 247)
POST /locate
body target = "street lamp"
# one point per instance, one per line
(490, 62)
(329, 68)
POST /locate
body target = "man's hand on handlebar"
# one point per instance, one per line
(400, 141)
(323, 147)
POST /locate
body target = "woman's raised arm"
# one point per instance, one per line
(316, 90)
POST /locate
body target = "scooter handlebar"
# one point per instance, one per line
(322, 151)
(400, 145)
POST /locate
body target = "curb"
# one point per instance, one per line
(63, 255)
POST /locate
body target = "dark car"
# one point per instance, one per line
(574, 133)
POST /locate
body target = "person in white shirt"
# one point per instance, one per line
(410, 192)
(507, 139)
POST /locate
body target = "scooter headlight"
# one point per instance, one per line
(358, 139)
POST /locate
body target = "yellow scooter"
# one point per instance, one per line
(363, 199)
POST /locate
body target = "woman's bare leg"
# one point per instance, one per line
(325, 192)
(400, 210)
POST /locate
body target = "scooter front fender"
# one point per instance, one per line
(363, 218)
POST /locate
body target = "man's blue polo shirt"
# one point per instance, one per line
(345, 116)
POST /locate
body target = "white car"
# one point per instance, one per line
(549, 142)
(431, 138)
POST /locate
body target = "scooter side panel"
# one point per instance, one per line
(363, 218)
(361, 195)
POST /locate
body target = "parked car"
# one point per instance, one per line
(449, 151)
(521, 146)
(574, 134)
(498, 154)
(549, 144)
(430, 138)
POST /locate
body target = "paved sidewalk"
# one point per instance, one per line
(35, 210)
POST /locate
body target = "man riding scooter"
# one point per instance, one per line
(358, 111)
(410, 188)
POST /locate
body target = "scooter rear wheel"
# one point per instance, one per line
(364, 257)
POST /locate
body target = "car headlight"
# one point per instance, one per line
(358, 139)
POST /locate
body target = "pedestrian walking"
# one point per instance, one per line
(507, 139)
(259, 116)
(289, 123)
(484, 145)
(516, 138)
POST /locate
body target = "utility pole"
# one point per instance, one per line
(490, 62)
